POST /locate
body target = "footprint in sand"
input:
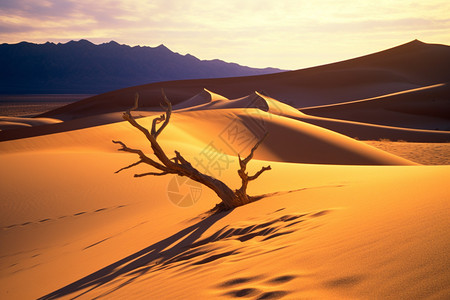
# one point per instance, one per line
(61, 217)
(273, 295)
(281, 279)
(240, 287)
(100, 209)
(245, 292)
(237, 281)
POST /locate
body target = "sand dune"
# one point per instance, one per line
(422, 108)
(97, 237)
(208, 100)
(55, 127)
(347, 239)
(230, 131)
(340, 219)
(353, 129)
(7, 123)
(354, 79)
(422, 153)
(366, 131)
(254, 100)
(203, 97)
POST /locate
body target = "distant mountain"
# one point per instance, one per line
(83, 67)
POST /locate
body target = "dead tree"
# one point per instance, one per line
(180, 166)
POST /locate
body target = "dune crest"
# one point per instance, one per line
(204, 97)
(254, 100)
(279, 108)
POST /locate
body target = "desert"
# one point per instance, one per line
(355, 205)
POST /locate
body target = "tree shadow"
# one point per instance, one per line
(143, 261)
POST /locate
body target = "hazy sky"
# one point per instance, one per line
(258, 33)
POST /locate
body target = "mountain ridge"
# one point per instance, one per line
(84, 67)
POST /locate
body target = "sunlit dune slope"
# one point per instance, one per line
(20, 132)
(203, 97)
(407, 66)
(341, 234)
(8, 123)
(422, 153)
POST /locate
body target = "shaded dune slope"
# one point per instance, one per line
(422, 108)
(407, 66)
(366, 131)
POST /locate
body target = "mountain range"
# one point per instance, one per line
(83, 67)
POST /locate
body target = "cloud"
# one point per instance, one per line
(252, 32)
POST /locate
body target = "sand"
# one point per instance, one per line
(343, 219)
(422, 153)
(7, 123)
(422, 108)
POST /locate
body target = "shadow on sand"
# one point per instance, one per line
(141, 262)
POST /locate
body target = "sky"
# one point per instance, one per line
(288, 34)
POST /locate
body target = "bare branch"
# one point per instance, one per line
(250, 156)
(157, 121)
(151, 173)
(181, 160)
(157, 150)
(135, 106)
(168, 114)
(126, 149)
(245, 179)
(259, 173)
(144, 158)
(130, 166)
